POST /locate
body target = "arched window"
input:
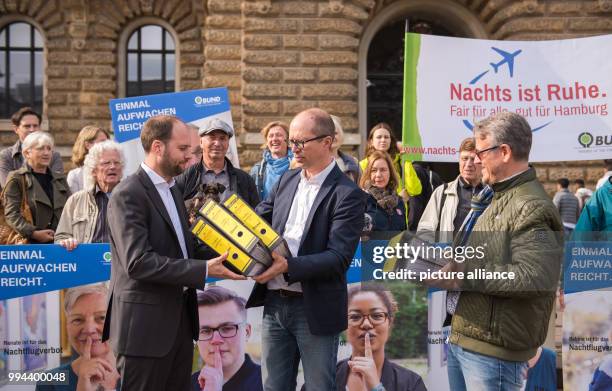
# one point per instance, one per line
(21, 68)
(150, 61)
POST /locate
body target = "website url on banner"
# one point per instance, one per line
(432, 150)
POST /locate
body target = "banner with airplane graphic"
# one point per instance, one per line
(561, 87)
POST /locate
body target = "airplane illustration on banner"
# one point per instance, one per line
(508, 58)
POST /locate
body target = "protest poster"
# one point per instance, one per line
(33, 282)
(196, 107)
(561, 87)
(587, 318)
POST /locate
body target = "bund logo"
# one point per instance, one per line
(585, 139)
(207, 100)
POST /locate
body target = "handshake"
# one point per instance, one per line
(234, 228)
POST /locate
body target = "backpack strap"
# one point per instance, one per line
(442, 201)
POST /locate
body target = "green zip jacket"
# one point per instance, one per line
(522, 229)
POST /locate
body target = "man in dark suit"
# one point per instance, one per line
(152, 316)
(319, 212)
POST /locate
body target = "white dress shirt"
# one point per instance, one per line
(163, 188)
(305, 195)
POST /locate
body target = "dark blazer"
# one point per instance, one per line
(46, 214)
(147, 273)
(240, 182)
(330, 238)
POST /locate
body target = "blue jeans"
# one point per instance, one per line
(469, 371)
(286, 338)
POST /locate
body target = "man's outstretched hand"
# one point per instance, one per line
(217, 269)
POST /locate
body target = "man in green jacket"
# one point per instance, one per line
(499, 322)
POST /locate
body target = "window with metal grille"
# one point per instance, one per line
(21, 68)
(150, 61)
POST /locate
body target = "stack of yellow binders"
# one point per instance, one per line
(235, 228)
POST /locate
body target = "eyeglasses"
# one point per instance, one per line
(376, 318)
(106, 163)
(479, 153)
(225, 331)
(300, 144)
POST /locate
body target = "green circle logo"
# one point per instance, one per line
(585, 139)
(107, 257)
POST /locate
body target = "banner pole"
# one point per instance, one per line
(405, 105)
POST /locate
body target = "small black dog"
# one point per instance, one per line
(205, 192)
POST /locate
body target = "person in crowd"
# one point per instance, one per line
(215, 168)
(602, 181)
(276, 158)
(381, 138)
(25, 121)
(88, 137)
(567, 204)
(596, 215)
(371, 313)
(384, 207)
(224, 333)
(582, 193)
(499, 323)
(152, 316)
(430, 180)
(346, 163)
(94, 366)
(84, 217)
(196, 149)
(542, 371)
(304, 295)
(46, 191)
(449, 204)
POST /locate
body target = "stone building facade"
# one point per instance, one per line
(277, 57)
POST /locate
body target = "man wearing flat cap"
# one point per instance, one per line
(216, 168)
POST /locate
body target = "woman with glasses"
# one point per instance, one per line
(384, 207)
(371, 311)
(276, 157)
(87, 138)
(84, 217)
(94, 368)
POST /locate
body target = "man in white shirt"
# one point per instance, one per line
(152, 316)
(319, 212)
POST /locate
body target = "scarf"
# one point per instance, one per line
(479, 203)
(274, 169)
(386, 198)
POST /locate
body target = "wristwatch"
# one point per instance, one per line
(378, 387)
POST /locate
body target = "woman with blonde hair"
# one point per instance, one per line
(88, 136)
(93, 366)
(276, 157)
